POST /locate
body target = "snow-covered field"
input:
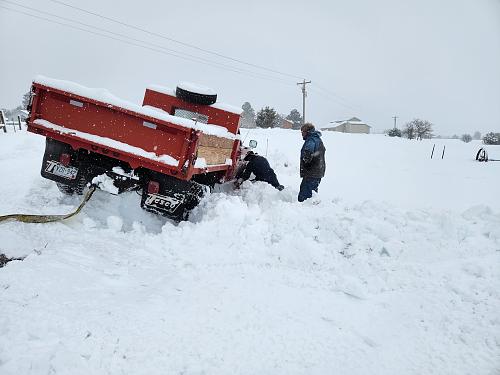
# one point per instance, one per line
(394, 268)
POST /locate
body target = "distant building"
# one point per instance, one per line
(353, 125)
(286, 124)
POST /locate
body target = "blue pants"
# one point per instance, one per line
(307, 186)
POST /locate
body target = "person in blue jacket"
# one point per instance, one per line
(259, 166)
(312, 161)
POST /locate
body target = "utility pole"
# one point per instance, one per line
(395, 117)
(304, 94)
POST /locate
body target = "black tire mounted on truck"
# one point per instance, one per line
(194, 97)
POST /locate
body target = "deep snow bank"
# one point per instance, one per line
(256, 282)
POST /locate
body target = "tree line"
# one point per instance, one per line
(422, 129)
(268, 117)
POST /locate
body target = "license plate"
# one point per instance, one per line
(162, 202)
(60, 170)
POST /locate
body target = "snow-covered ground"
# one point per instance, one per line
(394, 268)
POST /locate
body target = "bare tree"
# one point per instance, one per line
(466, 138)
(418, 129)
(423, 129)
(409, 130)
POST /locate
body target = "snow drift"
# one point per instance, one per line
(392, 269)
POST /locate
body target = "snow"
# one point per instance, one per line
(161, 89)
(105, 183)
(117, 145)
(196, 88)
(393, 268)
(104, 96)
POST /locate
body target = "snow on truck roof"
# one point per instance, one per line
(103, 95)
(193, 87)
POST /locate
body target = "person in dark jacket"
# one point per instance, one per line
(312, 161)
(259, 166)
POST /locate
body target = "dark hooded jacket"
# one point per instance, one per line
(312, 156)
(259, 166)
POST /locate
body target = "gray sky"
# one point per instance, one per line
(435, 60)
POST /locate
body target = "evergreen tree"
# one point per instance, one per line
(476, 136)
(491, 139)
(394, 132)
(267, 118)
(248, 116)
(295, 118)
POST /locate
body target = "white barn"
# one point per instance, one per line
(353, 125)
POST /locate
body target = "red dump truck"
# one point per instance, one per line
(175, 147)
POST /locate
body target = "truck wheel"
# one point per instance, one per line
(71, 190)
(190, 95)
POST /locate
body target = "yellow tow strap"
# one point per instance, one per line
(48, 218)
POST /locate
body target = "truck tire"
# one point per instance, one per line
(195, 97)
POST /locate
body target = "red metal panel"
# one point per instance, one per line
(169, 103)
(113, 123)
(119, 124)
(134, 161)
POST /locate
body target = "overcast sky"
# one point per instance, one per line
(435, 60)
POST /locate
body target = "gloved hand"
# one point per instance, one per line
(238, 183)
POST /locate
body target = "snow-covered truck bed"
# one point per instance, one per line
(172, 146)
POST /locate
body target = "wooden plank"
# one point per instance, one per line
(214, 141)
(214, 155)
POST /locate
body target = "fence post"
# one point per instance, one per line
(19, 122)
(2, 122)
(432, 153)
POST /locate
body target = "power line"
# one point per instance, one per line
(337, 98)
(330, 97)
(174, 40)
(162, 49)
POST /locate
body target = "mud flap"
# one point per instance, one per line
(54, 170)
(174, 199)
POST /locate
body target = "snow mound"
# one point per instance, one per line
(256, 282)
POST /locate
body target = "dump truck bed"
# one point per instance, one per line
(142, 136)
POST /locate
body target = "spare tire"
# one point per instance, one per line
(192, 94)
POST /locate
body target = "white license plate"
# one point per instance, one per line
(163, 202)
(60, 170)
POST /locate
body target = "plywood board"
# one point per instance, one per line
(214, 155)
(214, 141)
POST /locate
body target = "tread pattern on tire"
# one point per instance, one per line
(71, 190)
(194, 97)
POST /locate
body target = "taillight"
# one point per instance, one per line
(153, 187)
(65, 159)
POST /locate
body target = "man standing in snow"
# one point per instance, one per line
(259, 166)
(312, 161)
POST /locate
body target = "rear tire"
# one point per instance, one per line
(71, 190)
